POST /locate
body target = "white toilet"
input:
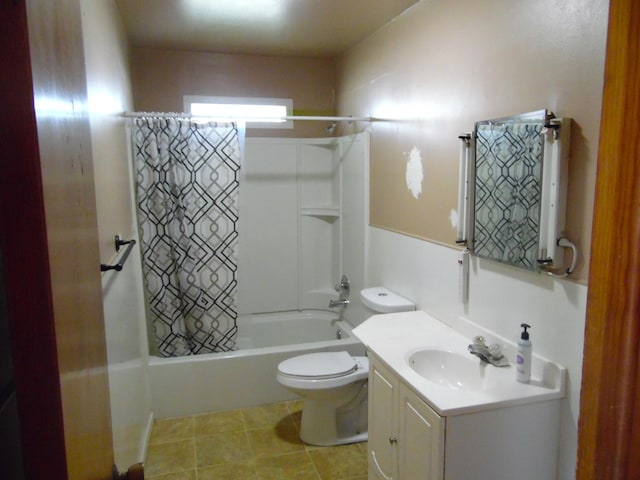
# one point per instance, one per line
(333, 385)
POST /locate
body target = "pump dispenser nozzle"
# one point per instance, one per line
(523, 356)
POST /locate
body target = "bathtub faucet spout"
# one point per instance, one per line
(342, 303)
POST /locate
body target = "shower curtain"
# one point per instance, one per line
(187, 182)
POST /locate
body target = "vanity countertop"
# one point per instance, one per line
(394, 337)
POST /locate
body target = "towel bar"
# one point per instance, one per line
(118, 266)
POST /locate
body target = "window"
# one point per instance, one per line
(254, 112)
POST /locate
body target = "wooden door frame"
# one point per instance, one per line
(609, 426)
(24, 247)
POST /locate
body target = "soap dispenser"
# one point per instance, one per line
(523, 356)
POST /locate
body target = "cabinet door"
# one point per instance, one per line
(383, 389)
(421, 444)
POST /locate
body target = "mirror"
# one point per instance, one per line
(517, 186)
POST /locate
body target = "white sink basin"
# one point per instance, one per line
(433, 360)
(448, 369)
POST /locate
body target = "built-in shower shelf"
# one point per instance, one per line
(321, 212)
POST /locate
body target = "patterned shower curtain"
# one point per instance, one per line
(187, 182)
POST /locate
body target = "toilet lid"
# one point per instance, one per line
(322, 364)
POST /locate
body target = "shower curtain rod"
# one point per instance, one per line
(288, 117)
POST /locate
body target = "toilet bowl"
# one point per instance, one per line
(333, 385)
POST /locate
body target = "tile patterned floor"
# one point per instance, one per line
(258, 443)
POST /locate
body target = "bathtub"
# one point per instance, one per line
(247, 376)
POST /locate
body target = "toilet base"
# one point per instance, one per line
(326, 423)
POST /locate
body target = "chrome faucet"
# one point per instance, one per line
(489, 354)
(343, 294)
(343, 287)
(340, 303)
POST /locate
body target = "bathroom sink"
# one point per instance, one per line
(445, 373)
(448, 369)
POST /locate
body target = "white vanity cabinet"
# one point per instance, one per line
(438, 413)
(406, 437)
(409, 440)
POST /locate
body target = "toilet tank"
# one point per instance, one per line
(382, 300)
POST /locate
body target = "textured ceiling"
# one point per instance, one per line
(263, 27)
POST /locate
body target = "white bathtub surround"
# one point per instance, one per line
(500, 299)
(303, 217)
(229, 380)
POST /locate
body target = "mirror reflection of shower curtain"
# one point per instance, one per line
(187, 182)
(508, 188)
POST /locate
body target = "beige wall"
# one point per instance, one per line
(441, 66)
(109, 94)
(162, 77)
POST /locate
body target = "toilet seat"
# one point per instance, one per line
(324, 370)
(319, 365)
